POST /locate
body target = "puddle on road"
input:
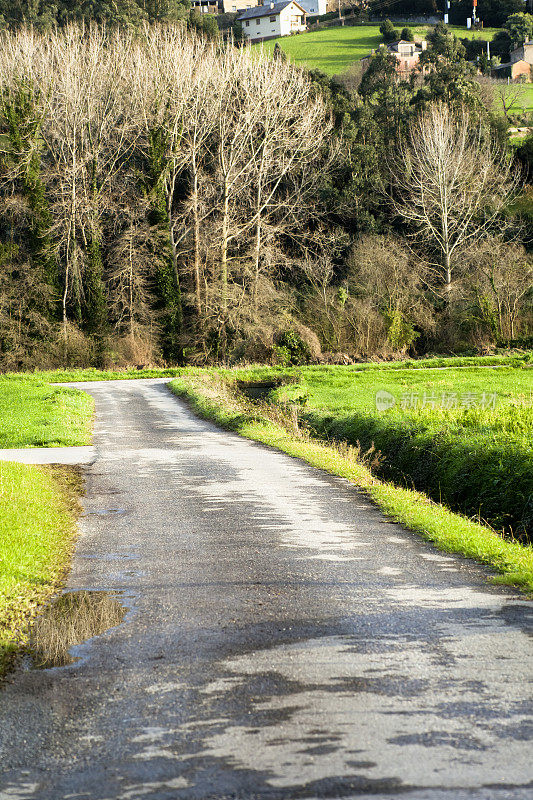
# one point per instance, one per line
(114, 557)
(71, 619)
(104, 512)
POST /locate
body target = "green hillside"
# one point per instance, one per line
(332, 50)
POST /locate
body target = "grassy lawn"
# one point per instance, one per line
(332, 50)
(212, 396)
(38, 507)
(341, 390)
(34, 414)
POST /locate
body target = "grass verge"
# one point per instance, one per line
(212, 398)
(38, 511)
(513, 358)
(35, 414)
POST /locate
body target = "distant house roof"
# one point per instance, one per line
(268, 10)
(511, 64)
(396, 45)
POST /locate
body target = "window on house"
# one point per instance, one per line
(247, 24)
(258, 22)
(272, 19)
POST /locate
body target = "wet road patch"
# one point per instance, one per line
(71, 619)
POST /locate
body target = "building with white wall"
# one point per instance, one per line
(272, 20)
(314, 8)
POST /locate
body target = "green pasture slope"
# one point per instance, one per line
(38, 505)
(461, 435)
(332, 50)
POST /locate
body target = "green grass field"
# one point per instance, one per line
(92, 374)
(35, 414)
(332, 50)
(343, 390)
(526, 101)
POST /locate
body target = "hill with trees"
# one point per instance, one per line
(166, 198)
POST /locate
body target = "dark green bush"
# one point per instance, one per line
(293, 348)
(388, 31)
(407, 35)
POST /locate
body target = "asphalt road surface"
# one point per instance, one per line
(283, 640)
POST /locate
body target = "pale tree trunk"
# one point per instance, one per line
(257, 242)
(170, 189)
(447, 273)
(130, 292)
(71, 249)
(196, 235)
(224, 241)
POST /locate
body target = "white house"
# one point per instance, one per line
(272, 20)
(314, 8)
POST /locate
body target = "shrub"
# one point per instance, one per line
(291, 349)
(407, 35)
(401, 333)
(388, 31)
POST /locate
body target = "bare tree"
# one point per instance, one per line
(509, 96)
(290, 133)
(221, 150)
(451, 183)
(86, 133)
(236, 122)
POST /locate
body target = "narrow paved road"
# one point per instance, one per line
(283, 640)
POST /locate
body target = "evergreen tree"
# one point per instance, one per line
(22, 119)
(168, 288)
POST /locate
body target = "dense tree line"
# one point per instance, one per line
(165, 197)
(147, 184)
(494, 13)
(132, 14)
